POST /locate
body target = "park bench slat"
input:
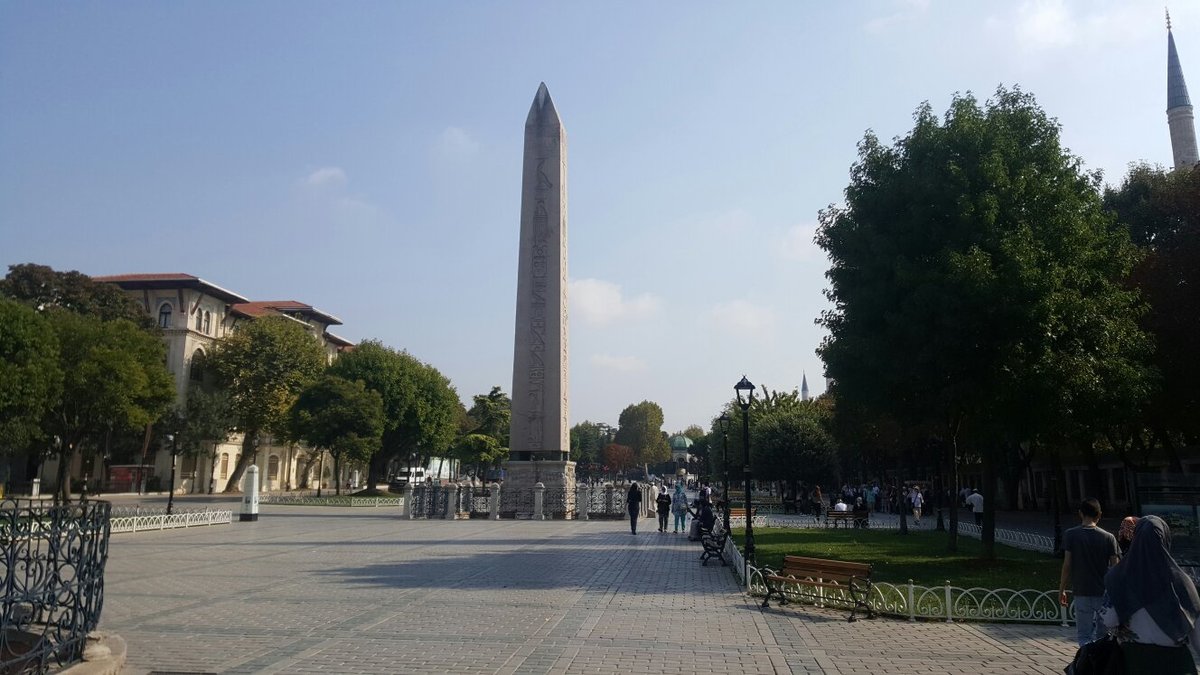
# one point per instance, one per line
(800, 572)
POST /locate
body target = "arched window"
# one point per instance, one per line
(196, 372)
(207, 323)
(224, 465)
(273, 467)
(199, 319)
(164, 315)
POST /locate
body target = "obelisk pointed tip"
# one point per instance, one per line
(542, 111)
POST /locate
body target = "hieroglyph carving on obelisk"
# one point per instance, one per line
(540, 373)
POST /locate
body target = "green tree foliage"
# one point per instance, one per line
(421, 408)
(587, 442)
(41, 287)
(30, 377)
(114, 379)
(264, 366)
(1161, 210)
(791, 444)
(975, 281)
(338, 415)
(485, 443)
(641, 430)
(205, 420)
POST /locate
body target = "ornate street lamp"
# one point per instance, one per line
(745, 396)
(723, 423)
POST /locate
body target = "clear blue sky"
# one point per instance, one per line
(365, 157)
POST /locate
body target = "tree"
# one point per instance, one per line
(1161, 211)
(421, 408)
(641, 430)
(587, 442)
(114, 378)
(30, 377)
(976, 283)
(484, 442)
(340, 416)
(791, 444)
(264, 366)
(41, 287)
(618, 457)
(203, 422)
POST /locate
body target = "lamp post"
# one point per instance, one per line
(174, 456)
(745, 396)
(723, 422)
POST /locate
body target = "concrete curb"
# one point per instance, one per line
(103, 655)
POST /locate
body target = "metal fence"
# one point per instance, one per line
(478, 500)
(149, 520)
(332, 500)
(53, 575)
(431, 500)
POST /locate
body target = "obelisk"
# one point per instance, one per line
(539, 434)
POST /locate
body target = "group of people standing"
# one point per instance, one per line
(1130, 585)
(673, 503)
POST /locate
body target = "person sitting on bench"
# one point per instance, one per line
(840, 505)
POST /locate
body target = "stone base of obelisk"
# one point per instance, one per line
(518, 495)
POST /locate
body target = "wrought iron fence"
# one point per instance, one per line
(558, 503)
(515, 501)
(604, 501)
(430, 501)
(478, 500)
(53, 575)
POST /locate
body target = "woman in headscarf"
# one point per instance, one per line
(679, 507)
(633, 502)
(1125, 533)
(1154, 605)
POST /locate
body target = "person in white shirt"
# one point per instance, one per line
(975, 501)
(918, 501)
(1153, 605)
(840, 505)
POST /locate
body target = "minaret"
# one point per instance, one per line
(804, 387)
(1179, 109)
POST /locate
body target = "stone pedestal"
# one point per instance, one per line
(517, 495)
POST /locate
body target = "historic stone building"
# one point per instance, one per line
(1180, 120)
(194, 314)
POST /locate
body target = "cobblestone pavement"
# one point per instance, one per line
(330, 591)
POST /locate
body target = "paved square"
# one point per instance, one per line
(331, 591)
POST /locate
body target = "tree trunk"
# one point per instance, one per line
(1094, 487)
(1165, 441)
(247, 456)
(952, 539)
(62, 490)
(337, 473)
(988, 535)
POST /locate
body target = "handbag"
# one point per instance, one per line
(1098, 657)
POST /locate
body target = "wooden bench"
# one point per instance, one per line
(834, 518)
(740, 512)
(808, 577)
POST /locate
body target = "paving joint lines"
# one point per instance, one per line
(381, 595)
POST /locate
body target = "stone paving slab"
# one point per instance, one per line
(332, 591)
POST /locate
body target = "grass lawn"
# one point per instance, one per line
(920, 556)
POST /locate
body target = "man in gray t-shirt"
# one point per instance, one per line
(1088, 552)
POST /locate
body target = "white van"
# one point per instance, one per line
(415, 475)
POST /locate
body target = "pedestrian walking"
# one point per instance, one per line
(1088, 552)
(975, 501)
(663, 504)
(918, 501)
(633, 503)
(1154, 605)
(1125, 533)
(679, 507)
